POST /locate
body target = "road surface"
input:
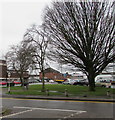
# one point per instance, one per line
(60, 110)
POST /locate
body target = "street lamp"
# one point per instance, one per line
(9, 75)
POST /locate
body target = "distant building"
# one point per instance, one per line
(3, 70)
(50, 73)
(4, 73)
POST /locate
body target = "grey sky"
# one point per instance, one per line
(16, 17)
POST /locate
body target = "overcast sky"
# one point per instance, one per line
(15, 17)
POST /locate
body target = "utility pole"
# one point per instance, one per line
(9, 75)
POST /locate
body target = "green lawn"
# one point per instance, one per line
(58, 90)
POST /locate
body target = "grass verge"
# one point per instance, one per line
(59, 90)
(6, 111)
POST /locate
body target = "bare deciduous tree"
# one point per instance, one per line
(39, 40)
(20, 59)
(83, 35)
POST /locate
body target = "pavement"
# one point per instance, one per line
(85, 98)
(59, 98)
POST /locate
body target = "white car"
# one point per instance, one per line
(51, 81)
(68, 82)
(103, 83)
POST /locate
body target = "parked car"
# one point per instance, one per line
(33, 80)
(103, 83)
(81, 82)
(51, 81)
(10, 83)
(113, 84)
(17, 82)
(59, 81)
(3, 83)
(68, 82)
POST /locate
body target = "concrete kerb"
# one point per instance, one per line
(59, 98)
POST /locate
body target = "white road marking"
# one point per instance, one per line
(50, 109)
(31, 108)
(73, 114)
(15, 114)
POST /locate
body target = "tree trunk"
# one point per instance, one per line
(43, 83)
(91, 79)
(21, 79)
(22, 82)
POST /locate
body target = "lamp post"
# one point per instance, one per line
(9, 75)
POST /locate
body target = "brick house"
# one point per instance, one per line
(49, 73)
(52, 74)
(13, 74)
(3, 70)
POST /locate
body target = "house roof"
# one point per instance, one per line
(51, 70)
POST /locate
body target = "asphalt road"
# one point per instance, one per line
(60, 110)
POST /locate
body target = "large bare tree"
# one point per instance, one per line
(20, 59)
(83, 35)
(36, 37)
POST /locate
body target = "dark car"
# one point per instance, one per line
(9, 83)
(113, 82)
(81, 82)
